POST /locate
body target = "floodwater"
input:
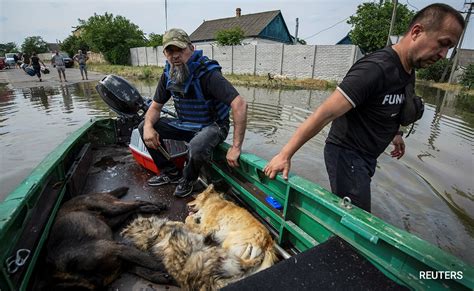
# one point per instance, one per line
(429, 192)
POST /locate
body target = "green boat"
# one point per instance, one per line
(303, 217)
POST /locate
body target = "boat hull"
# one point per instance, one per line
(308, 217)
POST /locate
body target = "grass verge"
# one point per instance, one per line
(447, 86)
(154, 73)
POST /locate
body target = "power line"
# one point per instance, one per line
(416, 8)
(313, 35)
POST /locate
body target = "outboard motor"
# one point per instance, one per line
(131, 107)
(123, 98)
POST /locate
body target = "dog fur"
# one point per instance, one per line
(191, 258)
(81, 251)
(233, 227)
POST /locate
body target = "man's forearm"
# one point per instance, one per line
(153, 114)
(333, 107)
(239, 114)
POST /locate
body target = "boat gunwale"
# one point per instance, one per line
(408, 243)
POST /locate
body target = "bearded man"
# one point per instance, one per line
(203, 99)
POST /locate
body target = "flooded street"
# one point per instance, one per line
(429, 192)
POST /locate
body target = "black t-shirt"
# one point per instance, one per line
(375, 86)
(35, 61)
(213, 84)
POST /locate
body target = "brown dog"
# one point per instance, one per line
(233, 227)
(195, 262)
(81, 250)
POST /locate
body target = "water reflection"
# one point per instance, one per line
(33, 121)
(427, 192)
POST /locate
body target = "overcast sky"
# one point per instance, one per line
(54, 20)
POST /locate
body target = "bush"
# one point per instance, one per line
(467, 78)
(146, 73)
(434, 72)
(231, 36)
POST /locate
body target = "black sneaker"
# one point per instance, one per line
(164, 178)
(184, 188)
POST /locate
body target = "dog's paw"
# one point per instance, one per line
(154, 208)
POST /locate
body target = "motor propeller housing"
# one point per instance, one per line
(121, 96)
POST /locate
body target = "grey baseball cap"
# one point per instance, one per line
(176, 37)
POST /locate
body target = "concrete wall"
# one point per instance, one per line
(466, 57)
(327, 62)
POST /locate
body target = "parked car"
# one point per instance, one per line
(10, 61)
(68, 61)
(2, 63)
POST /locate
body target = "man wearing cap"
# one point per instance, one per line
(203, 99)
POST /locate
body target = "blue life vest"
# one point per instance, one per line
(195, 112)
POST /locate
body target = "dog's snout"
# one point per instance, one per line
(192, 208)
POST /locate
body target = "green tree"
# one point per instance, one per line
(9, 47)
(435, 71)
(72, 44)
(34, 44)
(112, 36)
(467, 77)
(371, 23)
(231, 36)
(155, 39)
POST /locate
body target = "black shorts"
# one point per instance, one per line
(350, 174)
(37, 71)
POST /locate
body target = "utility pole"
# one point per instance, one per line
(455, 60)
(166, 16)
(392, 23)
(296, 32)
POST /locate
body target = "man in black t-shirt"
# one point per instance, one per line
(35, 63)
(202, 98)
(365, 108)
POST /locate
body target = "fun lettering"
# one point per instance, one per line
(393, 99)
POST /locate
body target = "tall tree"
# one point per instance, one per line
(112, 36)
(155, 39)
(72, 44)
(371, 24)
(9, 47)
(34, 44)
(231, 36)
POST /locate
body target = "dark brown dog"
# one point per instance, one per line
(81, 250)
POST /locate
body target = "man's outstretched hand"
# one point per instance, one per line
(399, 147)
(279, 163)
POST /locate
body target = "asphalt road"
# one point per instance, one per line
(17, 78)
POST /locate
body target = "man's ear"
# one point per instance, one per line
(416, 31)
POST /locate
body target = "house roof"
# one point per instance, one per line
(251, 24)
(345, 40)
(52, 46)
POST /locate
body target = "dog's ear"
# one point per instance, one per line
(205, 193)
(211, 240)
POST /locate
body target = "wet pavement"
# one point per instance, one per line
(18, 78)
